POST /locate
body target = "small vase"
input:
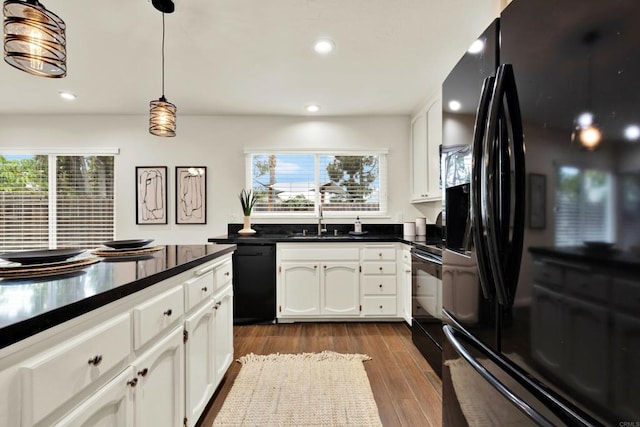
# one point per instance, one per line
(247, 226)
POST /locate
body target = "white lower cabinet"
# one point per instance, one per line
(200, 367)
(337, 281)
(128, 363)
(223, 332)
(299, 289)
(340, 288)
(111, 406)
(160, 383)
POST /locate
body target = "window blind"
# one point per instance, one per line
(289, 182)
(72, 206)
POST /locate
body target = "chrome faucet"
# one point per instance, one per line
(321, 229)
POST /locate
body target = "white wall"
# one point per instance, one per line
(217, 142)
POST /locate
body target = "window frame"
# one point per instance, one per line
(381, 153)
(52, 155)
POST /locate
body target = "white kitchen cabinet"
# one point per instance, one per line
(299, 289)
(426, 138)
(72, 366)
(406, 283)
(200, 369)
(327, 281)
(340, 288)
(111, 406)
(318, 280)
(379, 275)
(160, 383)
(223, 331)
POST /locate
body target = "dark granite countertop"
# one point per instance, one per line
(267, 234)
(29, 306)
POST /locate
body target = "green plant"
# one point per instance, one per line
(247, 200)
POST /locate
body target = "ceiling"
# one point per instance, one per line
(251, 56)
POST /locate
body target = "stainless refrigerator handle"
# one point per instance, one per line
(479, 238)
(493, 381)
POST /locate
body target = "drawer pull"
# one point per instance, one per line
(380, 254)
(380, 269)
(168, 312)
(324, 266)
(95, 360)
(226, 273)
(315, 266)
(204, 289)
(380, 307)
(133, 382)
(217, 305)
(143, 372)
(380, 286)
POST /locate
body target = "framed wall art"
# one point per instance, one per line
(151, 195)
(537, 201)
(191, 195)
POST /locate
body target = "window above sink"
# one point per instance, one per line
(297, 183)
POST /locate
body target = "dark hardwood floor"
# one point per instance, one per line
(405, 387)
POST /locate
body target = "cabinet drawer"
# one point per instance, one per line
(379, 306)
(545, 273)
(224, 274)
(380, 285)
(156, 315)
(587, 284)
(198, 289)
(57, 375)
(379, 268)
(379, 253)
(298, 252)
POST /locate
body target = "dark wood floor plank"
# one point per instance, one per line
(404, 386)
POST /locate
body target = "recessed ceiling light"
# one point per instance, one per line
(632, 132)
(454, 105)
(476, 47)
(324, 46)
(67, 95)
(312, 108)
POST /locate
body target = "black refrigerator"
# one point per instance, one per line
(541, 306)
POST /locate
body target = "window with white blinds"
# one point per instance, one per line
(297, 183)
(584, 206)
(52, 201)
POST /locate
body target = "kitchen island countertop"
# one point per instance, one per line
(30, 306)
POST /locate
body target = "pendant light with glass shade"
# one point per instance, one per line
(34, 39)
(162, 113)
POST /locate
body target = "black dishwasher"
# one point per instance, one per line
(254, 284)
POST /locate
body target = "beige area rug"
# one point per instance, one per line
(308, 389)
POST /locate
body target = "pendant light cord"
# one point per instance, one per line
(163, 54)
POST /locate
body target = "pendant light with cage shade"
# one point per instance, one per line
(34, 39)
(162, 113)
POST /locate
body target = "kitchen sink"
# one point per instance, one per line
(316, 237)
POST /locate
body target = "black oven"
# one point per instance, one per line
(426, 306)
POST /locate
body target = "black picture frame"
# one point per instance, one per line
(537, 201)
(191, 194)
(151, 195)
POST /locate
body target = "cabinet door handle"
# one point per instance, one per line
(143, 372)
(315, 266)
(133, 382)
(204, 289)
(95, 360)
(380, 307)
(324, 266)
(380, 268)
(217, 305)
(380, 286)
(168, 312)
(380, 254)
(226, 273)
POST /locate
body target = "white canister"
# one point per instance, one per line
(409, 229)
(421, 226)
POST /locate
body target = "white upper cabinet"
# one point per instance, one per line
(426, 138)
